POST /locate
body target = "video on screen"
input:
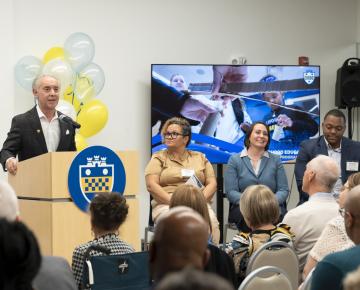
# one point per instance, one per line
(221, 102)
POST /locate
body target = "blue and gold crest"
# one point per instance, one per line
(95, 170)
(96, 176)
(309, 76)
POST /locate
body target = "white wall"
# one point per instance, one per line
(129, 35)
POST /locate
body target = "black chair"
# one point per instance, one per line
(117, 272)
(149, 229)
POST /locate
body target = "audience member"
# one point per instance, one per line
(219, 262)
(9, 207)
(180, 240)
(174, 166)
(108, 211)
(260, 209)
(55, 272)
(352, 280)
(193, 279)
(344, 151)
(309, 219)
(19, 256)
(254, 165)
(330, 271)
(333, 238)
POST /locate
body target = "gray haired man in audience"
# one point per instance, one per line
(330, 271)
(180, 240)
(309, 219)
(55, 272)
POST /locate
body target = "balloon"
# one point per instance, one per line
(80, 50)
(66, 108)
(90, 82)
(26, 70)
(70, 96)
(92, 117)
(62, 71)
(80, 142)
(52, 53)
(84, 88)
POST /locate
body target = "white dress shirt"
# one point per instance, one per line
(335, 154)
(51, 130)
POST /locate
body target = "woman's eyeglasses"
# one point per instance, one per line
(172, 135)
(342, 212)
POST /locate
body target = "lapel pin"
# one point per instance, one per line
(67, 132)
(38, 131)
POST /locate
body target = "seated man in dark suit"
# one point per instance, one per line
(39, 130)
(344, 151)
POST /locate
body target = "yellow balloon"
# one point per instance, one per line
(54, 52)
(81, 142)
(92, 117)
(70, 96)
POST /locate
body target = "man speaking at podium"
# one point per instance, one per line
(40, 130)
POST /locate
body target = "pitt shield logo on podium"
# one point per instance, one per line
(94, 170)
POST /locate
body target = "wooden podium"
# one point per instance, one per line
(46, 207)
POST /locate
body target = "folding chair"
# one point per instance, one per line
(306, 285)
(267, 277)
(117, 272)
(278, 254)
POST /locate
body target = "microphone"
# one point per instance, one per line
(70, 121)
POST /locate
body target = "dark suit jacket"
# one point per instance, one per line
(350, 151)
(27, 140)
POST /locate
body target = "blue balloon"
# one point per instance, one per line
(26, 70)
(79, 50)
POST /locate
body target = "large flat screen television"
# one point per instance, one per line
(221, 101)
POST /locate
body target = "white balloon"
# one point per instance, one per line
(79, 50)
(26, 70)
(62, 71)
(90, 82)
(66, 108)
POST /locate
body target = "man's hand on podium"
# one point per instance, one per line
(11, 165)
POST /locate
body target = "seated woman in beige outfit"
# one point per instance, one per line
(172, 167)
(333, 238)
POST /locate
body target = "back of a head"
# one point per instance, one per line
(191, 196)
(192, 279)
(352, 214)
(20, 257)
(180, 239)
(9, 206)
(259, 206)
(326, 170)
(352, 280)
(108, 211)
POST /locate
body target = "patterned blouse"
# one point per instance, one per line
(332, 239)
(244, 245)
(110, 241)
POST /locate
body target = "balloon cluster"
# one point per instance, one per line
(81, 81)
